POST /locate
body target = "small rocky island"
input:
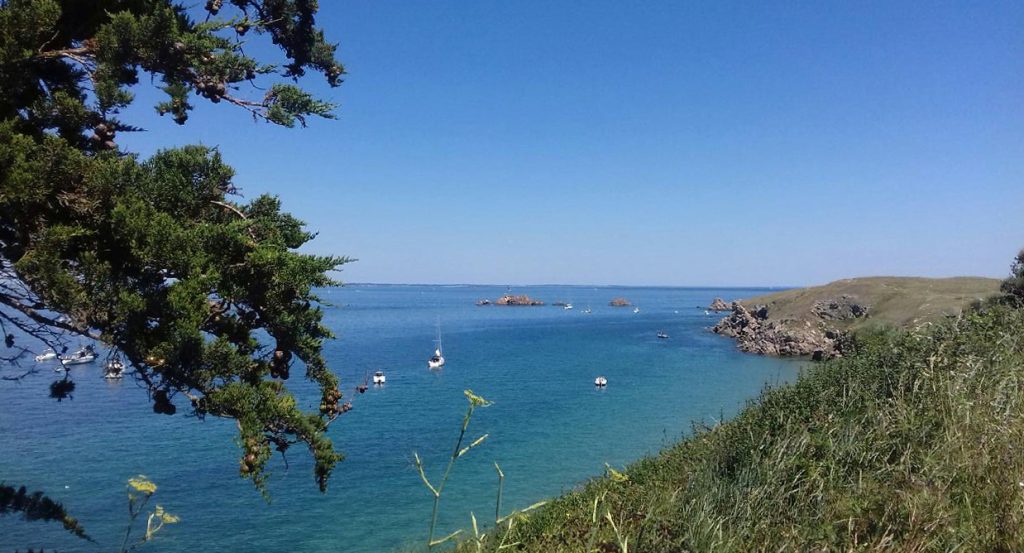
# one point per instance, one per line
(509, 299)
(619, 302)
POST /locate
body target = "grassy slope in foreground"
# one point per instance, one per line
(911, 443)
(894, 301)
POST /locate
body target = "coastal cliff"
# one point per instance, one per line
(819, 320)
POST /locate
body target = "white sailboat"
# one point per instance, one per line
(436, 361)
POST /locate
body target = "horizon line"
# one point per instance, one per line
(698, 287)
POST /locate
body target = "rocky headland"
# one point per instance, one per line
(818, 321)
(755, 333)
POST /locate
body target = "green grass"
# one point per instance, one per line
(913, 443)
(894, 301)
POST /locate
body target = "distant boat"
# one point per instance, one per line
(600, 382)
(436, 361)
(587, 311)
(567, 306)
(114, 370)
(82, 356)
(46, 356)
(662, 335)
(706, 312)
(636, 310)
(379, 378)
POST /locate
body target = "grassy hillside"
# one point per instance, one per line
(911, 443)
(893, 301)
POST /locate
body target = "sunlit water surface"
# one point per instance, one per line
(549, 428)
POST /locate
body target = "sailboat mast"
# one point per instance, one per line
(439, 335)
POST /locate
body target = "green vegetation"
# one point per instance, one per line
(203, 298)
(37, 507)
(436, 491)
(892, 301)
(140, 491)
(910, 443)
(1014, 286)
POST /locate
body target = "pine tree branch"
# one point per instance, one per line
(44, 320)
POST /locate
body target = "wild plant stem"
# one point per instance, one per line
(501, 484)
(132, 515)
(447, 471)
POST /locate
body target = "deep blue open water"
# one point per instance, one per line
(550, 429)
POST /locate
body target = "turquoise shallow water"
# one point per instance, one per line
(550, 429)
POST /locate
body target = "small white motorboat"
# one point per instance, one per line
(80, 357)
(114, 370)
(587, 311)
(46, 356)
(600, 382)
(567, 306)
(379, 378)
(636, 310)
(662, 335)
(706, 312)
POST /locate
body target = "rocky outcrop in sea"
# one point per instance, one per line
(509, 299)
(719, 305)
(755, 333)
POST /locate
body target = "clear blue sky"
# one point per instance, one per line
(675, 143)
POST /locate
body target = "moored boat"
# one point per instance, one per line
(600, 382)
(82, 356)
(436, 361)
(379, 378)
(114, 370)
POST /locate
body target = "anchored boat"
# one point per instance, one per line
(82, 356)
(436, 361)
(114, 370)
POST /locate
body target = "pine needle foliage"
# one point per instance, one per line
(37, 507)
(1013, 286)
(206, 299)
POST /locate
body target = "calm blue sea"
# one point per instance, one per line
(549, 428)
